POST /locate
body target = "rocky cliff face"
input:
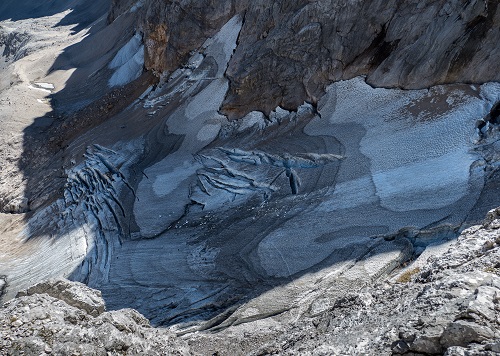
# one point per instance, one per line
(173, 29)
(289, 51)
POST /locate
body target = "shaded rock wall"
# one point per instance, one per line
(172, 29)
(288, 51)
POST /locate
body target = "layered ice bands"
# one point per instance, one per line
(128, 62)
(419, 143)
(429, 184)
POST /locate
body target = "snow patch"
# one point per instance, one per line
(223, 44)
(40, 89)
(209, 99)
(137, 6)
(254, 118)
(208, 132)
(128, 62)
(491, 93)
(47, 86)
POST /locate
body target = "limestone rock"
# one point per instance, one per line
(3, 283)
(463, 333)
(52, 318)
(288, 51)
(75, 294)
(173, 29)
(428, 342)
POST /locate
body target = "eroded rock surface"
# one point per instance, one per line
(67, 318)
(75, 294)
(289, 51)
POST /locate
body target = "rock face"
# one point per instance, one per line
(75, 294)
(173, 29)
(289, 51)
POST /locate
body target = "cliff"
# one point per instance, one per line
(289, 51)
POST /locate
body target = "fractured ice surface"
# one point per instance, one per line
(199, 213)
(163, 198)
(74, 237)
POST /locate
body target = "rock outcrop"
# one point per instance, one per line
(74, 294)
(67, 318)
(289, 51)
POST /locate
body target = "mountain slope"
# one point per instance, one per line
(218, 166)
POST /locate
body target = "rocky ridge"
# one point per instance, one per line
(447, 303)
(67, 318)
